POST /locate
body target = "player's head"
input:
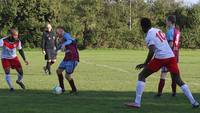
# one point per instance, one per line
(60, 31)
(145, 24)
(170, 20)
(48, 27)
(14, 33)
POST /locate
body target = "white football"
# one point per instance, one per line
(57, 90)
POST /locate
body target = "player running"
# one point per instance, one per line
(173, 37)
(49, 48)
(9, 57)
(70, 61)
(160, 54)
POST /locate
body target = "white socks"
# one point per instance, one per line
(139, 91)
(8, 80)
(188, 93)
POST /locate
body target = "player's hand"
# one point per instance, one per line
(26, 62)
(44, 52)
(63, 48)
(139, 66)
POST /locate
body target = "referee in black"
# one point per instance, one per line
(49, 47)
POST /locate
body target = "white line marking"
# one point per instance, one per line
(124, 71)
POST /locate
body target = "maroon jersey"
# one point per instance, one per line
(71, 52)
(176, 43)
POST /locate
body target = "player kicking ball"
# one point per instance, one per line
(160, 54)
(9, 57)
(70, 61)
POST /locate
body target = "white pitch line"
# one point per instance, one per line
(123, 70)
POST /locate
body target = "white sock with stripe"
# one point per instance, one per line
(8, 80)
(188, 93)
(139, 92)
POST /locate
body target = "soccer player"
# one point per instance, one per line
(49, 48)
(173, 37)
(160, 54)
(70, 61)
(9, 57)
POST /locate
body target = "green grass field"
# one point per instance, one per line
(106, 79)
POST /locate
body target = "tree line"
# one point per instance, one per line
(98, 23)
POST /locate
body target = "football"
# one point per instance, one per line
(57, 90)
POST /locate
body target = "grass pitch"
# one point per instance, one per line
(106, 79)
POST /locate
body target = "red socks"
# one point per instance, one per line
(161, 86)
(71, 83)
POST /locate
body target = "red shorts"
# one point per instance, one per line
(170, 63)
(11, 63)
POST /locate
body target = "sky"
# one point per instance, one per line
(190, 1)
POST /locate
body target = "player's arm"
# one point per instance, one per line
(43, 43)
(150, 54)
(170, 38)
(170, 44)
(21, 52)
(1, 41)
(68, 39)
(149, 57)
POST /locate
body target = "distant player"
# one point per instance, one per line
(70, 61)
(173, 38)
(160, 54)
(49, 48)
(9, 57)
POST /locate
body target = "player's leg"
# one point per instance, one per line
(53, 57)
(173, 86)
(8, 79)
(59, 72)
(20, 78)
(48, 66)
(70, 66)
(71, 83)
(162, 81)
(140, 88)
(152, 67)
(17, 65)
(53, 61)
(174, 70)
(6, 66)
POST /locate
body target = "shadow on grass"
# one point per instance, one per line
(44, 101)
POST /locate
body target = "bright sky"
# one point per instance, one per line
(190, 1)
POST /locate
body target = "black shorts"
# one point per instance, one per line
(50, 54)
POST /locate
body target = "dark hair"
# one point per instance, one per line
(60, 27)
(172, 18)
(145, 23)
(13, 29)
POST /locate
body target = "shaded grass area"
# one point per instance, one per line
(41, 101)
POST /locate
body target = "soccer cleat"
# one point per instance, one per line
(159, 95)
(21, 85)
(132, 105)
(49, 73)
(63, 90)
(195, 105)
(73, 93)
(173, 94)
(45, 69)
(11, 89)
